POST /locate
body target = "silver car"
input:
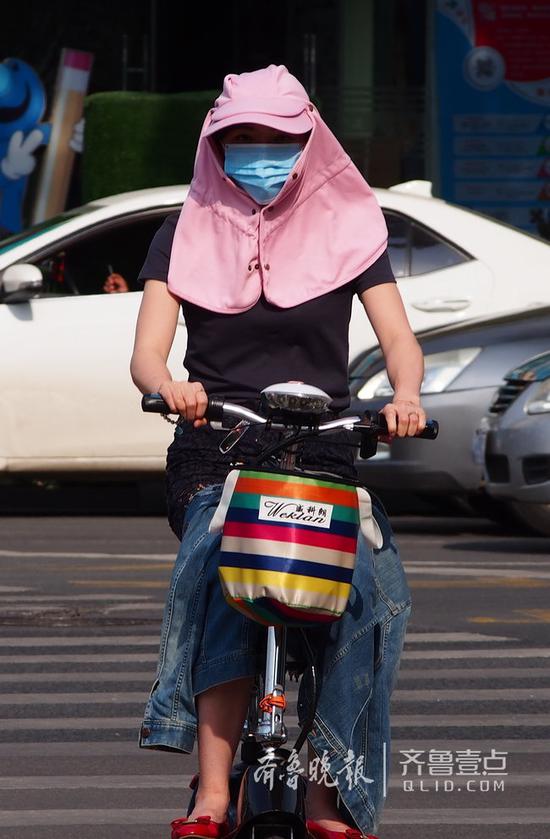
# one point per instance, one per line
(464, 367)
(516, 434)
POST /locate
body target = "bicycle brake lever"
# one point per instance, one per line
(236, 433)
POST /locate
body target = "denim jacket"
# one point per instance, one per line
(205, 641)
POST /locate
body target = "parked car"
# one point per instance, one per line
(515, 440)
(465, 365)
(67, 403)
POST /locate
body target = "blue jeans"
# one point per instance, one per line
(205, 641)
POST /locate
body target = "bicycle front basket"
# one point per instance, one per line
(288, 545)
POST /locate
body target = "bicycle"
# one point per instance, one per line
(276, 810)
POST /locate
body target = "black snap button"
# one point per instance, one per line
(254, 212)
(266, 266)
(250, 267)
(294, 176)
(257, 265)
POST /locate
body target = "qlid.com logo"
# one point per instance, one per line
(448, 771)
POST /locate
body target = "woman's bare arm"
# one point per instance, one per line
(403, 356)
(155, 330)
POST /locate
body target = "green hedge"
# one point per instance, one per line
(135, 140)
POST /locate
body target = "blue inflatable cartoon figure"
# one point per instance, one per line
(22, 105)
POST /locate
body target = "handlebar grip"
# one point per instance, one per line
(154, 403)
(430, 432)
(214, 409)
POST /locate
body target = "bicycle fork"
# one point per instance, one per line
(270, 729)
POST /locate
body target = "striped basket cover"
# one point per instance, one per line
(288, 547)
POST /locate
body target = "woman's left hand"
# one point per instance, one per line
(405, 417)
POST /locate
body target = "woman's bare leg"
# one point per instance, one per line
(321, 802)
(221, 711)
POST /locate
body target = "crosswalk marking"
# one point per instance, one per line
(70, 723)
(483, 816)
(523, 616)
(59, 745)
(476, 582)
(479, 571)
(56, 607)
(87, 723)
(466, 563)
(414, 695)
(176, 781)
(54, 698)
(82, 641)
(511, 720)
(54, 598)
(466, 674)
(87, 555)
(96, 678)
(462, 816)
(470, 694)
(444, 637)
(112, 583)
(144, 640)
(129, 748)
(510, 652)
(60, 818)
(408, 655)
(85, 658)
(405, 674)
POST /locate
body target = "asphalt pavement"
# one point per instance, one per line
(80, 607)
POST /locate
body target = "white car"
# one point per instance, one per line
(67, 403)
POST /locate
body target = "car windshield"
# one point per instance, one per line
(30, 232)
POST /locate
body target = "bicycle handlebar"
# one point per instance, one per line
(218, 410)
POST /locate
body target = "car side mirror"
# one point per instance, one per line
(21, 281)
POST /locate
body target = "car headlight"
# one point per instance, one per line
(539, 403)
(440, 369)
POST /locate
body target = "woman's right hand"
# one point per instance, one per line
(186, 398)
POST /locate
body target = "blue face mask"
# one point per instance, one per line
(261, 168)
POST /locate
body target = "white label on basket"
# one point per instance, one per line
(273, 508)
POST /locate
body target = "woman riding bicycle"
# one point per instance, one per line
(277, 234)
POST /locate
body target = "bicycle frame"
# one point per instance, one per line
(296, 409)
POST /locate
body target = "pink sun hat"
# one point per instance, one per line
(322, 230)
(271, 97)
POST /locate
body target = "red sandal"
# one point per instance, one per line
(319, 832)
(201, 827)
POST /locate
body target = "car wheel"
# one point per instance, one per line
(535, 516)
(491, 508)
(500, 511)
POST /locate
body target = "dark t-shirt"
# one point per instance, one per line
(235, 356)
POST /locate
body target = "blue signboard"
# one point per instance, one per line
(491, 83)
